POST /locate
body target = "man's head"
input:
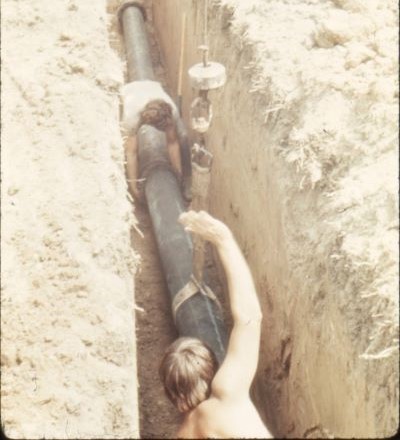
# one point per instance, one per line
(187, 370)
(157, 113)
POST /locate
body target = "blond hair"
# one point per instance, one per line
(187, 370)
(157, 113)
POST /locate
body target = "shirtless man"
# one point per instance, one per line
(216, 402)
(145, 102)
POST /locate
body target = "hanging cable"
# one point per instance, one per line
(181, 59)
(205, 35)
(204, 76)
(205, 22)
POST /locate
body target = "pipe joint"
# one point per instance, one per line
(152, 151)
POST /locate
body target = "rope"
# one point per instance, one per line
(201, 167)
(190, 289)
(205, 35)
(205, 23)
(181, 58)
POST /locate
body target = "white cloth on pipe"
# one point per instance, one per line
(135, 96)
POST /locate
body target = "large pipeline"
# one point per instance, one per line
(195, 309)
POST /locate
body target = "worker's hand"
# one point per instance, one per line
(136, 192)
(138, 196)
(206, 226)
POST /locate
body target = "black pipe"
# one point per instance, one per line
(137, 47)
(198, 316)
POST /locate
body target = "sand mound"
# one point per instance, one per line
(68, 353)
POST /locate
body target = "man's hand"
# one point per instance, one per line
(206, 226)
(132, 166)
(174, 152)
(136, 193)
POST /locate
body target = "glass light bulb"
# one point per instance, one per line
(201, 114)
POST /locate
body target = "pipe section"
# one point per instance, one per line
(198, 315)
(137, 47)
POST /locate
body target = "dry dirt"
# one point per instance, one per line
(68, 354)
(305, 170)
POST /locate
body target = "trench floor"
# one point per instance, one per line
(154, 332)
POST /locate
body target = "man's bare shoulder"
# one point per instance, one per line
(222, 418)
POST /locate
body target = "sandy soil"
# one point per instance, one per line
(68, 353)
(305, 172)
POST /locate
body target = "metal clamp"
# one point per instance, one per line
(201, 157)
(190, 289)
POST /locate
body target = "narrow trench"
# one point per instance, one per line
(158, 418)
(155, 330)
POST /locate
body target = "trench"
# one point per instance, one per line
(155, 329)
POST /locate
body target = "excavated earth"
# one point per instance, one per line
(305, 144)
(304, 139)
(68, 352)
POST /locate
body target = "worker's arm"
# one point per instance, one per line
(174, 151)
(185, 149)
(237, 371)
(131, 164)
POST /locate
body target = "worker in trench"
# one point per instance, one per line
(215, 401)
(146, 103)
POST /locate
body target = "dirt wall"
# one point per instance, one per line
(68, 354)
(304, 139)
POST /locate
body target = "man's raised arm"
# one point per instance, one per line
(237, 371)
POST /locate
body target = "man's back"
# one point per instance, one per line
(216, 418)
